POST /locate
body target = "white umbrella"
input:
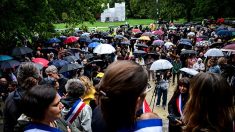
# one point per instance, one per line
(104, 49)
(168, 44)
(214, 52)
(161, 64)
(172, 28)
(189, 71)
(191, 34)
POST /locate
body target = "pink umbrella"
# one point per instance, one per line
(70, 39)
(230, 46)
(158, 32)
(41, 61)
(136, 30)
(199, 39)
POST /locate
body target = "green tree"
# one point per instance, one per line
(214, 8)
(21, 19)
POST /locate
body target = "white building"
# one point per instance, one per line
(118, 13)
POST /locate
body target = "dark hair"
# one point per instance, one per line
(210, 105)
(122, 84)
(37, 100)
(75, 88)
(185, 81)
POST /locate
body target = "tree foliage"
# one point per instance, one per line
(24, 18)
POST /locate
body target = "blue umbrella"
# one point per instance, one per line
(9, 64)
(5, 57)
(186, 43)
(95, 40)
(58, 63)
(187, 40)
(62, 38)
(53, 40)
(224, 33)
(87, 40)
(93, 44)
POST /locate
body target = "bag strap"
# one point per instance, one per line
(74, 111)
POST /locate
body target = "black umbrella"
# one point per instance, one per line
(89, 56)
(70, 67)
(98, 62)
(133, 39)
(58, 63)
(18, 51)
(188, 52)
(9, 64)
(48, 50)
(216, 45)
(71, 58)
(125, 43)
(118, 37)
(75, 50)
(141, 45)
(139, 52)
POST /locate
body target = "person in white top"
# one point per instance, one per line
(199, 65)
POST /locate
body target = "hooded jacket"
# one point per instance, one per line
(82, 123)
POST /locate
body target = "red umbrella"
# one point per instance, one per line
(41, 61)
(70, 39)
(230, 46)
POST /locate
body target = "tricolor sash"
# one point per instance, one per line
(148, 125)
(146, 107)
(179, 105)
(74, 111)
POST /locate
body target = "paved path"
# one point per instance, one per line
(159, 110)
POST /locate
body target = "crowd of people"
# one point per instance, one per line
(82, 86)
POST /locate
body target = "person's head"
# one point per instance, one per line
(28, 75)
(49, 81)
(87, 83)
(122, 91)
(210, 103)
(3, 81)
(84, 62)
(42, 103)
(213, 61)
(51, 71)
(222, 61)
(183, 86)
(75, 88)
(12, 86)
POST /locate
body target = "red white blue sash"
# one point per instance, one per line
(148, 125)
(74, 111)
(179, 105)
(146, 107)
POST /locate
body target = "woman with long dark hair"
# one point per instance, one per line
(177, 103)
(210, 106)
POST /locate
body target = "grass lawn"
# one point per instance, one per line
(105, 25)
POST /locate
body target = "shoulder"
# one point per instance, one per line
(151, 124)
(36, 127)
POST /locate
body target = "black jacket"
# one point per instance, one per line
(12, 110)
